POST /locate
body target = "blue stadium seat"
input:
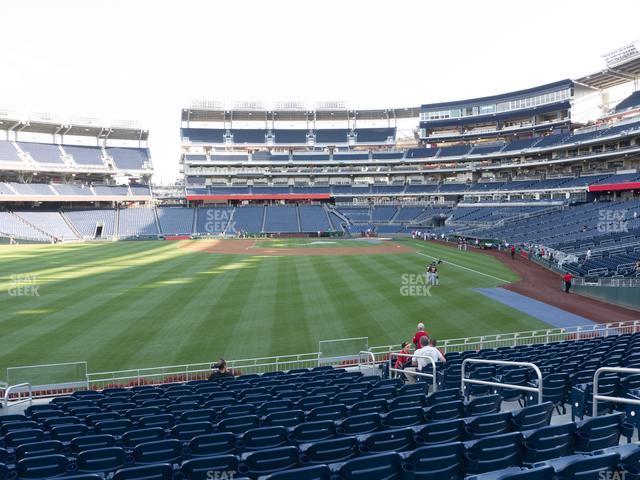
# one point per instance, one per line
(328, 412)
(388, 440)
(65, 433)
(585, 467)
(404, 417)
(206, 468)
(486, 425)
(91, 442)
(15, 438)
(406, 401)
(261, 438)
(112, 427)
(359, 424)
(161, 471)
(212, 444)
(329, 451)
(440, 432)
(369, 406)
(601, 432)
(445, 411)
(312, 431)
(238, 424)
(437, 462)
(186, 431)
(313, 472)
(483, 405)
(534, 416)
(517, 473)
(136, 437)
(46, 447)
(493, 453)
(287, 418)
(548, 442)
(101, 460)
(373, 467)
(264, 462)
(162, 451)
(42, 466)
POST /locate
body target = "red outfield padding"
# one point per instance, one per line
(274, 196)
(177, 237)
(608, 187)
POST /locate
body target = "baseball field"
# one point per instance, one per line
(151, 303)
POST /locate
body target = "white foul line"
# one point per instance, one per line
(466, 268)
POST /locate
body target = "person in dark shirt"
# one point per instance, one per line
(220, 371)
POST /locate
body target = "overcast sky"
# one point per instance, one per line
(145, 59)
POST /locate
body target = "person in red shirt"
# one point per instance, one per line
(401, 361)
(420, 333)
(567, 278)
(513, 252)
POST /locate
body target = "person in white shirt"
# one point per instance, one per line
(428, 349)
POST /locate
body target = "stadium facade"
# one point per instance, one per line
(498, 168)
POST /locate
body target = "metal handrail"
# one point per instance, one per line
(9, 389)
(483, 361)
(419, 374)
(369, 355)
(605, 398)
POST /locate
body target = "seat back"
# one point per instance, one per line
(493, 453)
(288, 418)
(445, 411)
(264, 437)
(161, 471)
(186, 431)
(486, 425)
(163, 451)
(329, 451)
(483, 405)
(389, 440)
(381, 466)
(438, 462)
(134, 438)
(101, 459)
(359, 424)
(42, 466)
(327, 412)
(534, 416)
(312, 431)
(91, 442)
(264, 462)
(548, 442)
(207, 468)
(46, 447)
(441, 432)
(213, 444)
(599, 432)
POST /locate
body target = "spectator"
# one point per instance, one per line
(567, 278)
(513, 252)
(419, 334)
(401, 361)
(427, 349)
(220, 371)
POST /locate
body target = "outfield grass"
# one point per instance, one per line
(142, 304)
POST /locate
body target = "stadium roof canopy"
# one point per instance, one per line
(623, 65)
(76, 126)
(202, 113)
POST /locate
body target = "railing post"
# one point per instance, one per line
(596, 381)
(533, 366)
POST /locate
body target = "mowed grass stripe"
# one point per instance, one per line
(154, 308)
(68, 296)
(102, 309)
(205, 332)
